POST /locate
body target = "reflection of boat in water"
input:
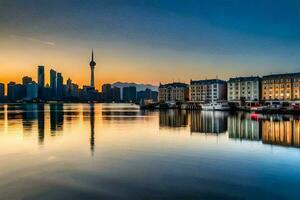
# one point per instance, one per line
(221, 106)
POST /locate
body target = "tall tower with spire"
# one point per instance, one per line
(92, 65)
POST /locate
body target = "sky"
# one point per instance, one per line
(149, 41)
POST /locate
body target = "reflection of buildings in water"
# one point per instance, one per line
(41, 123)
(71, 113)
(281, 131)
(56, 117)
(241, 126)
(14, 114)
(173, 118)
(2, 111)
(208, 122)
(92, 127)
(29, 116)
(121, 113)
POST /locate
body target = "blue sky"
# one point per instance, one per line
(176, 39)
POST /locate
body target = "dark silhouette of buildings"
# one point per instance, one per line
(147, 95)
(2, 91)
(53, 83)
(41, 76)
(110, 94)
(26, 80)
(129, 94)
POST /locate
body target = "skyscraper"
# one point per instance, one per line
(129, 94)
(92, 65)
(41, 76)
(53, 83)
(2, 90)
(59, 85)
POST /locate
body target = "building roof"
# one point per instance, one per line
(281, 75)
(248, 78)
(207, 82)
(174, 85)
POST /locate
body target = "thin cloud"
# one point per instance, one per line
(36, 40)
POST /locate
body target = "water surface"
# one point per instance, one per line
(116, 151)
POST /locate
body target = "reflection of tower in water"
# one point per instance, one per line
(92, 126)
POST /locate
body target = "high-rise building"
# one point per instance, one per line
(32, 91)
(92, 66)
(129, 94)
(2, 90)
(15, 91)
(59, 85)
(74, 90)
(26, 80)
(281, 87)
(107, 93)
(53, 81)
(10, 90)
(208, 90)
(69, 87)
(243, 88)
(41, 76)
(116, 94)
(147, 94)
(173, 92)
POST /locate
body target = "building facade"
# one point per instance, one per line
(243, 88)
(2, 90)
(284, 87)
(129, 94)
(208, 90)
(173, 92)
(32, 91)
(53, 83)
(59, 85)
(41, 76)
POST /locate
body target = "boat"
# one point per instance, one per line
(222, 106)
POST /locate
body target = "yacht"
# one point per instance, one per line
(216, 106)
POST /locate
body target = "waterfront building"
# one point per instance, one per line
(243, 88)
(53, 82)
(41, 76)
(32, 91)
(59, 85)
(129, 94)
(284, 87)
(26, 80)
(206, 91)
(173, 92)
(2, 90)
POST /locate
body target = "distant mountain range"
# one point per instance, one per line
(139, 87)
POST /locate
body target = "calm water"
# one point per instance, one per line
(115, 151)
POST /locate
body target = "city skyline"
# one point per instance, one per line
(149, 41)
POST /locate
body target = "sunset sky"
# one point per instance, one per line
(148, 41)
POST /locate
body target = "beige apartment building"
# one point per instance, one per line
(206, 91)
(173, 92)
(281, 87)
